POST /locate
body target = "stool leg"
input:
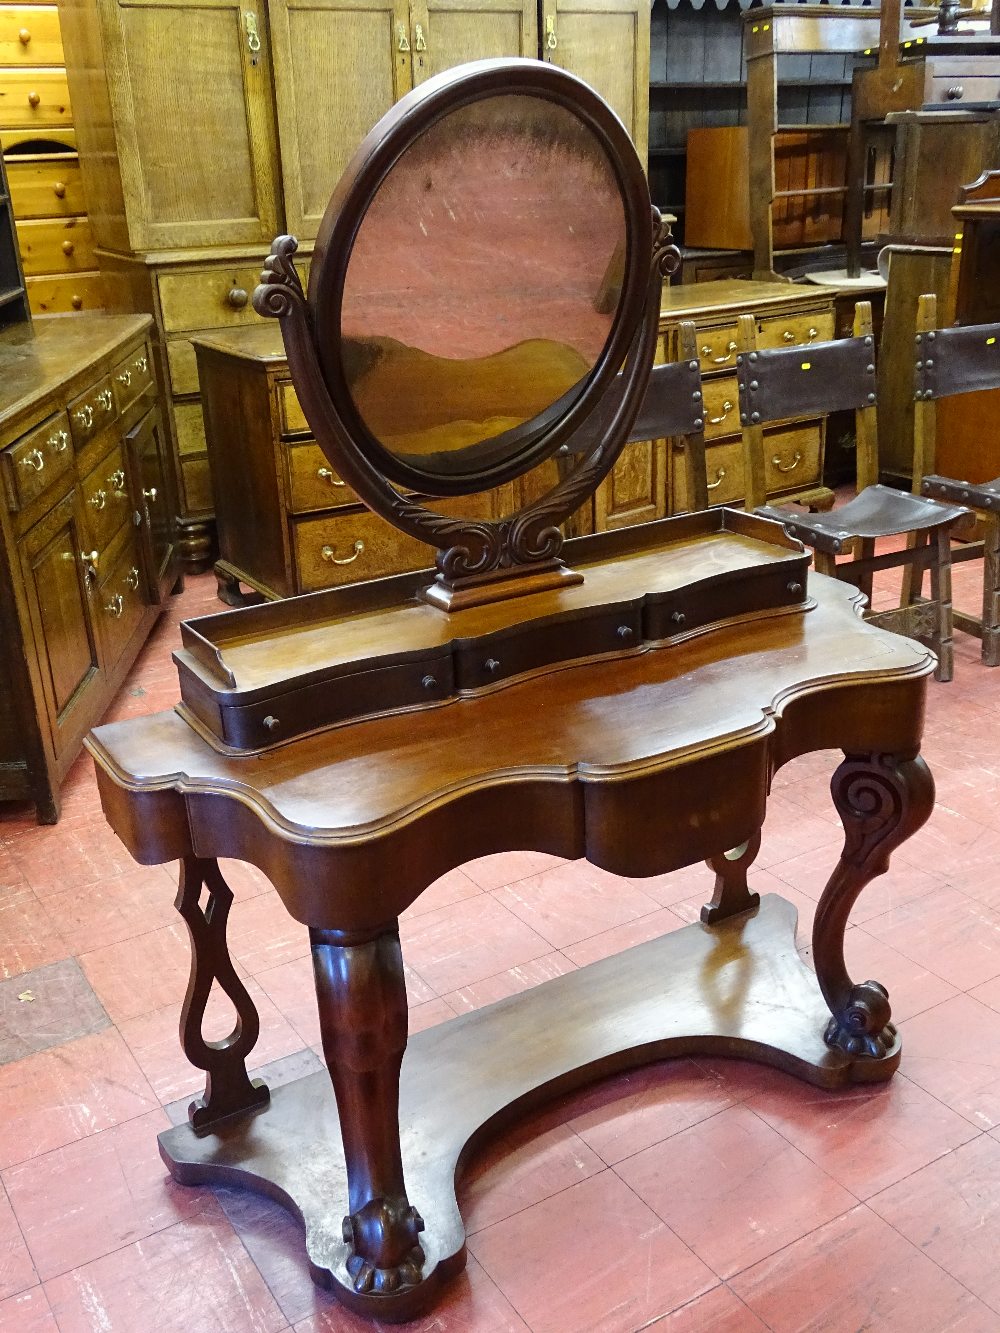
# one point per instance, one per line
(825, 563)
(866, 579)
(363, 1019)
(881, 800)
(941, 596)
(732, 895)
(913, 574)
(991, 590)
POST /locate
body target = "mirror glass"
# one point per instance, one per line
(483, 284)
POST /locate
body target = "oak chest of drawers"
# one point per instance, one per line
(86, 541)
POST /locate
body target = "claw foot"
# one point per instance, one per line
(385, 1255)
(863, 1028)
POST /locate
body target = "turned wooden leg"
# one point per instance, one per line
(732, 895)
(881, 800)
(363, 1019)
(991, 590)
(825, 563)
(228, 1088)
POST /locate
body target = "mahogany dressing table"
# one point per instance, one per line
(625, 696)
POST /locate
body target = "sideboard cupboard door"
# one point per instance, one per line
(636, 487)
(578, 35)
(147, 460)
(198, 148)
(453, 31)
(59, 581)
(339, 65)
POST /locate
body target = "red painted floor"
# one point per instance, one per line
(696, 1196)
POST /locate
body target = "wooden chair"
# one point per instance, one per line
(837, 376)
(951, 361)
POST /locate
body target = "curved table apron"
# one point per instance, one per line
(642, 764)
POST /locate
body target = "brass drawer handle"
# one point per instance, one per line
(727, 407)
(105, 400)
(132, 578)
(99, 499)
(141, 364)
(117, 480)
(85, 416)
(35, 460)
(125, 378)
(402, 41)
(253, 36)
(419, 40)
(237, 298)
(91, 558)
(116, 606)
(325, 474)
(720, 477)
(719, 360)
(58, 442)
(551, 39)
(150, 494)
(786, 467)
(328, 553)
(789, 336)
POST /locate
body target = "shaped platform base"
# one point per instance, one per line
(736, 989)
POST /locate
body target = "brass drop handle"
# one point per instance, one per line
(117, 480)
(328, 553)
(150, 494)
(955, 92)
(58, 442)
(253, 36)
(33, 98)
(24, 36)
(719, 360)
(85, 416)
(105, 400)
(116, 606)
(786, 467)
(325, 474)
(789, 336)
(125, 378)
(727, 407)
(99, 499)
(238, 298)
(68, 247)
(402, 41)
(35, 460)
(89, 560)
(59, 190)
(132, 578)
(719, 478)
(551, 40)
(141, 364)
(419, 40)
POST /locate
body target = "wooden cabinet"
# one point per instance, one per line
(86, 559)
(13, 296)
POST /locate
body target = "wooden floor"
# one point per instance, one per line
(694, 1196)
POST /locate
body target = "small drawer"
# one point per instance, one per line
(45, 187)
(55, 245)
(956, 90)
(35, 97)
(717, 346)
(106, 500)
(37, 460)
(60, 295)
(182, 365)
(694, 606)
(92, 411)
(312, 482)
(722, 406)
(207, 298)
(293, 419)
(119, 604)
(196, 477)
(29, 35)
(132, 377)
(795, 330)
(791, 458)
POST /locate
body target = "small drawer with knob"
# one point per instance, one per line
(29, 35)
(486, 661)
(92, 411)
(45, 186)
(132, 377)
(35, 97)
(795, 330)
(960, 89)
(313, 483)
(762, 588)
(37, 460)
(60, 293)
(118, 603)
(56, 245)
(106, 499)
(207, 298)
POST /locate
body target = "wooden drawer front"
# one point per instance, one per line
(190, 425)
(724, 468)
(29, 35)
(106, 499)
(957, 90)
(59, 295)
(49, 187)
(293, 419)
(791, 458)
(312, 482)
(37, 460)
(34, 97)
(346, 548)
(207, 299)
(56, 245)
(635, 489)
(722, 409)
(197, 479)
(717, 347)
(92, 411)
(132, 377)
(182, 365)
(795, 330)
(119, 604)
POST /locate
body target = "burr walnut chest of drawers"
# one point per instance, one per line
(85, 540)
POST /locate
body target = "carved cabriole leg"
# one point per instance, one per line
(363, 1018)
(228, 1089)
(881, 800)
(732, 895)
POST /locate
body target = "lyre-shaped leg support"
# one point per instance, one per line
(228, 1088)
(363, 1018)
(882, 799)
(732, 894)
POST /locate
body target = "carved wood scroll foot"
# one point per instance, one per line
(228, 1088)
(363, 1017)
(882, 800)
(732, 895)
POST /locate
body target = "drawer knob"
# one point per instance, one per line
(794, 588)
(329, 553)
(624, 631)
(429, 682)
(150, 494)
(271, 723)
(35, 460)
(76, 302)
(99, 499)
(24, 36)
(59, 190)
(786, 467)
(125, 378)
(132, 578)
(678, 617)
(85, 416)
(492, 665)
(955, 92)
(326, 474)
(116, 606)
(238, 298)
(91, 559)
(58, 442)
(68, 247)
(33, 98)
(788, 336)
